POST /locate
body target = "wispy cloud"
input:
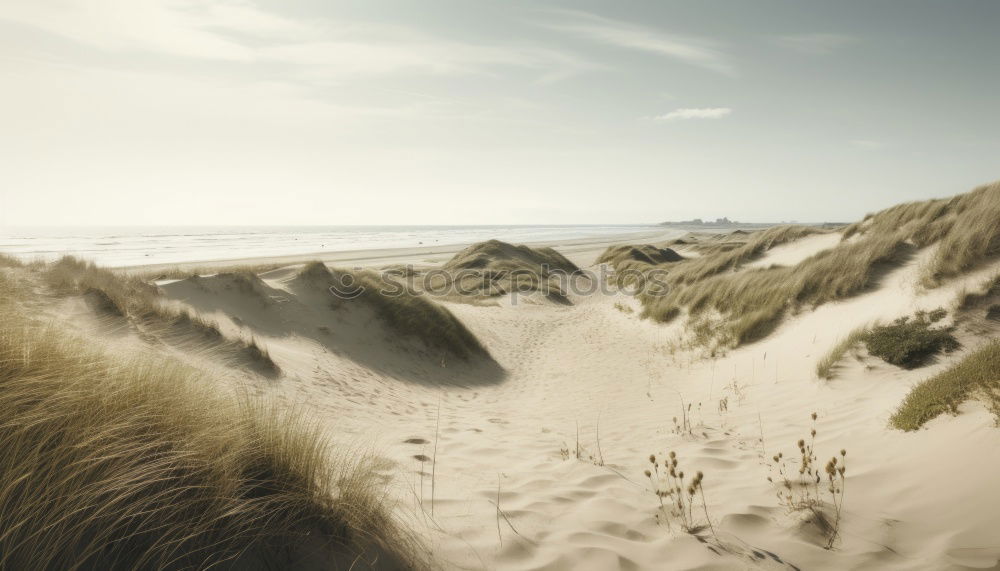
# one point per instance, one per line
(814, 44)
(238, 31)
(868, 144)
(695, 113)
(689, 50)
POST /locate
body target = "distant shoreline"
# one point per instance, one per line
(419, 255)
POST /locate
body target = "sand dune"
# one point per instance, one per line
(300, 309)
(533, 453)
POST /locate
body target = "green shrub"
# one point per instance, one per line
(911, 343)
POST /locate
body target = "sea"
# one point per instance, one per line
(132, 246)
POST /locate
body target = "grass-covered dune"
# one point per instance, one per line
(497, 255)
(618, 256)
(727, 304)
(493, 268)
(966, 229)
(131, 298)
(134, 462)
(403, 312)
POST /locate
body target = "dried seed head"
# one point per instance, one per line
(648, 473)
(843, 452)
(802, 443)
(652, 459)
(673, 454)
(814, 416)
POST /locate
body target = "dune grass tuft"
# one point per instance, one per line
(978, 372)
(131, 462)
(826, 367)
(121, 294)
(127, 295)
(7, 261)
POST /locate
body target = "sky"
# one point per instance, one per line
(217, 112)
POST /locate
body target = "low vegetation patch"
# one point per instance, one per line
(678, 496)
(801, 485)
(911, 343)
(977, 373)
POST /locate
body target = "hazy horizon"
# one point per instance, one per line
(299, 113)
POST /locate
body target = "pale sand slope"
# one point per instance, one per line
(792, 253)
(923, 500)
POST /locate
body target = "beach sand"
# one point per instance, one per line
(542, 467)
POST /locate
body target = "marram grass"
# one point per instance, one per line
(129, 461)
(977, 373)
